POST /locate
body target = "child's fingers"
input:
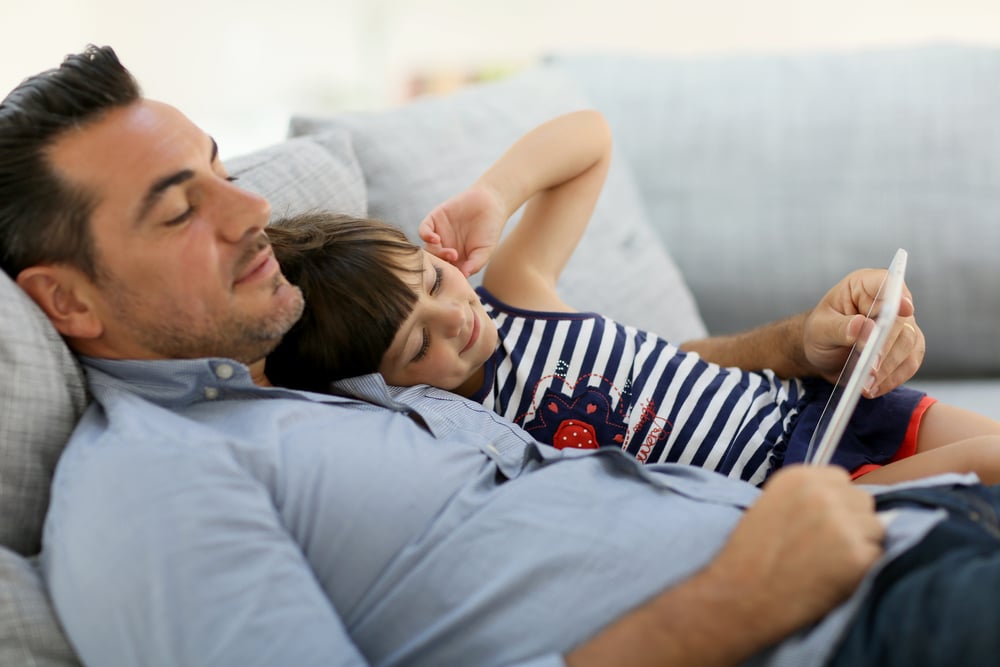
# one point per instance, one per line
(425, 230)
(476, 261)
(449, 255)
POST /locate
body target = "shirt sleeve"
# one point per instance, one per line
(177, 559)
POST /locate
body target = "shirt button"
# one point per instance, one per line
(211, 393)
(493, 448)
(224, 371)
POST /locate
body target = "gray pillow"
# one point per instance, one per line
(41, 397)
(29, 631)
(305, 174)
(774, 176)
(418, 155)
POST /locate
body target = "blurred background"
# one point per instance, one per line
(240, 68)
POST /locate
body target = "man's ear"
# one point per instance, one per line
(62, 293)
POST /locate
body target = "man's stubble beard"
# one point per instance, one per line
(175, 335)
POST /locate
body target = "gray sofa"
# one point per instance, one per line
(741, 189)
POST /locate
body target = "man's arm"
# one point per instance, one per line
(817, 342)
(779, 346)
(798, 552)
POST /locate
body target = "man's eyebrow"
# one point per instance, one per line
(162, 185)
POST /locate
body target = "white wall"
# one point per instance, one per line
(240, 67)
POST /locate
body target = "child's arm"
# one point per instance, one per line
(558, 169)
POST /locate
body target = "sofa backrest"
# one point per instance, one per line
(772, 176)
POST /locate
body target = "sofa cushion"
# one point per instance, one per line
(41, 397)
(418, 155)
(29, 631)
(304, 174)
(773, 176)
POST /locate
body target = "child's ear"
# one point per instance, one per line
(63, 293)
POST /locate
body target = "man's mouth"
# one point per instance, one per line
(257, 261)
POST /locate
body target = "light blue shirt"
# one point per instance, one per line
(197, 519)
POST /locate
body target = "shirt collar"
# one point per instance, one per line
(178, 383)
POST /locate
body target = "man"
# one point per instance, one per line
(200, 516)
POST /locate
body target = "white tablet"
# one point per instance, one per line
(858, 369)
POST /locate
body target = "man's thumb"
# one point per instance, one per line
(855, 328)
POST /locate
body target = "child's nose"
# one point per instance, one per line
(452, 319)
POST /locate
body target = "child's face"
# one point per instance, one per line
(448, 336)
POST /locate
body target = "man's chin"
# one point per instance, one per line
(295, 304)
(290, 298)
(264, 334)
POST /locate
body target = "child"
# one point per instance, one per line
(376, 302)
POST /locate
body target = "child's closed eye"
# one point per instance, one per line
(438, 277)
(422, 352)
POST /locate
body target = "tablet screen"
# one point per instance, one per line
(858, 368)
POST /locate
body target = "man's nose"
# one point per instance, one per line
(240, 212)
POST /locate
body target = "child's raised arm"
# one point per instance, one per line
(558, 168)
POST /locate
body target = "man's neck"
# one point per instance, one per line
(258, 375)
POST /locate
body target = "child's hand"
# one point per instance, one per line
(465, 229)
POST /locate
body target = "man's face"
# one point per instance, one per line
(184, 267)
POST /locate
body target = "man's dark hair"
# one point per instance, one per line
(43, 219)
(349, 270)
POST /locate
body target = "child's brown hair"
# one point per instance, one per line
(355, 300)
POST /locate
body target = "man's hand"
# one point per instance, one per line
(465, 229)
(834, 325)
(807, 542)
(800, 550)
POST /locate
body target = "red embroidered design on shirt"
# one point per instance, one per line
(590, 416)
(575, 433)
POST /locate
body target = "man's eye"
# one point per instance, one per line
(182, 218)
(232, 179)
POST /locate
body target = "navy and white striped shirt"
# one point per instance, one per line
(583, 380)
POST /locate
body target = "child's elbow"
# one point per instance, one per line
(601, 126)
(602, 131)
